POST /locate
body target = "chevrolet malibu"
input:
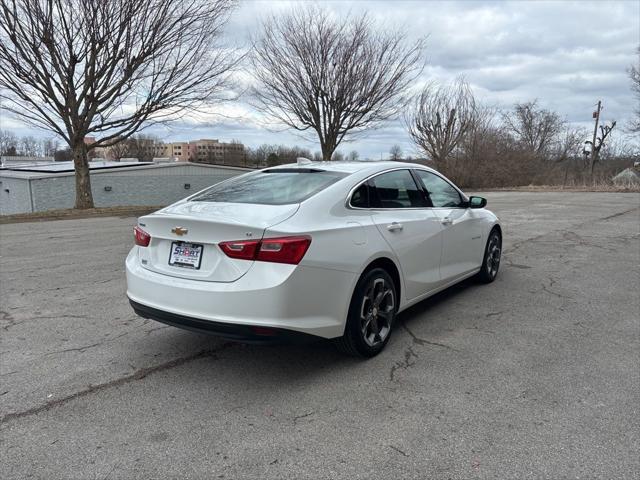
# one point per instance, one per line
(325, 249)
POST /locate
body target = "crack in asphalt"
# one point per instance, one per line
(556, 294)
(572, 236)
(403, 365)
(399, 451)
(93, 345)
(619, 214)
(516, 245)
(547, 289)
(410, 354)
(75, 349)
(299, 417)
(12, 322)
(7, 317)
(421, 341)
(135, 376)
(475, 328)
(509, 263)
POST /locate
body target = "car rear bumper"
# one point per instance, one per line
(241, 333)
(285, 298)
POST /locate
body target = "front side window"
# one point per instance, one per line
(396, 189)
(271, 187)
(441, 192)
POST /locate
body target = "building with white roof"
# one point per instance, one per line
(48, 186)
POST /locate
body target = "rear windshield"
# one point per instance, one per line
(271, 187)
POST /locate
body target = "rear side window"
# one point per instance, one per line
(360, 198)
(441, 192)
(396, 189)
(271, 187)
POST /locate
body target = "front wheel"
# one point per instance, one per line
(371, 315)
(491, 261)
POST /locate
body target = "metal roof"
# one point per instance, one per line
(37, 172)
(57, 167)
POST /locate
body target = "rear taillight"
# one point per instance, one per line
(283, 250)
(277, 250)
(142, 237)
(242, 249)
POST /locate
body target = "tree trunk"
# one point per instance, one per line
(327, 150)
(84, 197)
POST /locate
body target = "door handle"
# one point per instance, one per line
(447, 221)
(395, 226)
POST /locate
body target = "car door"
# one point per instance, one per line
(462, 235)
(413, 231)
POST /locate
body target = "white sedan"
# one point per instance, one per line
(328, 249)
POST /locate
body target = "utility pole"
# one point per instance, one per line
(594, 152)
(596, 115)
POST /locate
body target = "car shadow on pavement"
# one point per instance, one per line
(290, 361)
(249, 366)
(422, 307)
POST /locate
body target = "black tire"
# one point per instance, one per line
(491, 259)
(372, 309)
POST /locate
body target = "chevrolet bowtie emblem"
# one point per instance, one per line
(179, 231)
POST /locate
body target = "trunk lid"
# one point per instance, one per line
(206, 224)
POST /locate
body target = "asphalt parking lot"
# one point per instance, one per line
(534, 376)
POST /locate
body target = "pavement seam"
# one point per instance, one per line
(135, 376)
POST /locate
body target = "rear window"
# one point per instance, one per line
(271, 187)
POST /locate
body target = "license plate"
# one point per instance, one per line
(186, 255)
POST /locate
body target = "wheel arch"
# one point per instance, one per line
(391, 268)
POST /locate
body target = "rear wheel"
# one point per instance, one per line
(371, 315)
(491, 261)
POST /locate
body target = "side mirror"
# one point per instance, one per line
(477, 202)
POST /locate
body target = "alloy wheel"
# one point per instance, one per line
(377, 311)
(494, 249)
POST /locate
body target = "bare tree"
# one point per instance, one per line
(338, 156)
(8, 140)
(119, 150)
(353, 156)
(29, 146)
(63, 155)
(107, 68)
(440, 118)
(144, 147)
(331, 77)
(536, 128)
(568, 148)
(395, 153)
(595, 149)
(475, 145)
(569, 144)
(49, 146)
(634, 76)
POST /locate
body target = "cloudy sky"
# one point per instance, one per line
(565, 54)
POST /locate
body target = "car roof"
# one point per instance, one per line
(353, 167)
